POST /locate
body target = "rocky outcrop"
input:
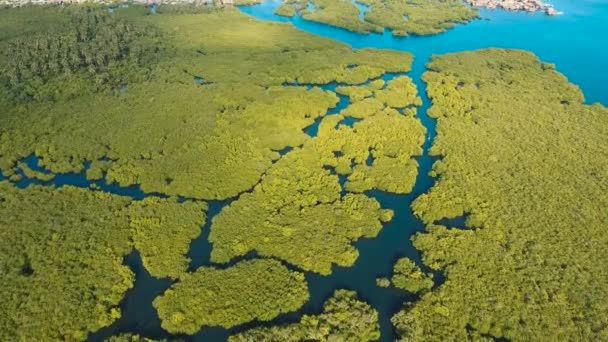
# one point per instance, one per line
(515, 5)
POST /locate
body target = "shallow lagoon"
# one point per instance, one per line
(569, 41)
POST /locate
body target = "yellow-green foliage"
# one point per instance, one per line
(339, 13)
(526, 159)
(355, 93)
(61, 257)
(62, 250)
(171, 136)
(163, 231)
(290, 8)
(403, 17)
(93, 50)
(250, 290)
(392, 139)
(398, 93)
(383, 282)
(296, 212)
(344, 318)
(363, 109)
(409, 277)
(24, 21)
(33, 174)
(419, 17)
(132, 338)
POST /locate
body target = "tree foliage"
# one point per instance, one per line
(92, 50)
(525, 159)
(169, 135)
(344, 318)
(409, 277)
(62, 250)
(61, 255)
(250, 290)
(163, 231)
(418, 17)
(133, 338)
(297, 212)
(403, 17)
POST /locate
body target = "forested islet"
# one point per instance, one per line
(408, 277)
(249, 290)
(417, 17)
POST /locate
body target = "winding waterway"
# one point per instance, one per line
(569, 41)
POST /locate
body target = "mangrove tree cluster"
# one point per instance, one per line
(169, 135)
(344, 318)
(220, 99)
(526, 160)
(249, 290)
(408, 276)
(299, 212)
(402, 17)
(89, 50)
(61, 256)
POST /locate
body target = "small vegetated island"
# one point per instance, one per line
(418, 17)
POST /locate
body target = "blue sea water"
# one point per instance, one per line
(575, 42)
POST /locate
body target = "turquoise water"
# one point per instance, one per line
(574, 42)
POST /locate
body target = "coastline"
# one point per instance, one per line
(530, 6)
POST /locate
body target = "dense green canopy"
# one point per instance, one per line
(344, 318)
(91, 51)
(163, 231)
(409, 277)
(297, 212)
(418, 17)
(61, 256)
(259, 289)
(526, 160)
(168, 134)
(403, 17)
(62, 250)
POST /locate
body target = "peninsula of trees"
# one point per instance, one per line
(526, 160)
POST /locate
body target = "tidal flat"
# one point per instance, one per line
(151, 164)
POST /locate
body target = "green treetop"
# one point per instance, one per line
(344, 318)
(250, 290)
(526, 160)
